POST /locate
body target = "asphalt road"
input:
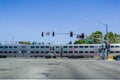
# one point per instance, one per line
(59, 69)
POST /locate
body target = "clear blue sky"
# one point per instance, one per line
(24, 20)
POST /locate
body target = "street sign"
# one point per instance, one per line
(48, 33)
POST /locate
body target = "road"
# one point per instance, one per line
(59, 69)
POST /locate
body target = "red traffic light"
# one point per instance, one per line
(82, 35)
(71, 34)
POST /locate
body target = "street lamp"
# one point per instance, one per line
(106, 36)
(86, 20)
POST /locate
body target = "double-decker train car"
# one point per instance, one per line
(80, 50)
(47, 51)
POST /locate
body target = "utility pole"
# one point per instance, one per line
(106, 42)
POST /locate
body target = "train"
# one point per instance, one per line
(48, 51)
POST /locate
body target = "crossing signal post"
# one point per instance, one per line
(108, 47)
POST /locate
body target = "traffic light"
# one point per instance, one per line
(53, 33)
(71, 34)
(78, 36)
(82, 35)
(42, 34)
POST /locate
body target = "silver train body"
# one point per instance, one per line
(69, 50)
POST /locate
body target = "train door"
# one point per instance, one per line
(23, 53)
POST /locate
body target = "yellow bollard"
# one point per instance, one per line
(110, 56)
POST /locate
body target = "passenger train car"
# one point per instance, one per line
(47, 51)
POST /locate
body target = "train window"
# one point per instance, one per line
(42, 51)
(1, 46)
(5, 51)
(91, 46)
(65, 51)
(23, 46)
(37, 51)
(64, 46)
(37, 46)
(70, 46)
(86, 51)
(91, 51)
(1, 51)
(32, 51)
(15, 46)
(112, 46)
(80, 51)
(42, 46)
(10, 51)
(117, 51)
(14, 51)
(47, 46)
(46, 52)
(111, 51)
(116, 46)
(32, 46)
(85, 46)
(57, 46)
(70, 52)
(10, 46)
(5, 46)
(75, 51)
(57, 52)
(80, 46)
(75, 46)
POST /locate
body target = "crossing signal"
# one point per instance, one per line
(71, 34)
(42, 34)
(82, 35)
(108, 45)
(53, 33)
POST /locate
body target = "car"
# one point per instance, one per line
(116, 57)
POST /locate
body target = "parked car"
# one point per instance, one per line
(116, 57)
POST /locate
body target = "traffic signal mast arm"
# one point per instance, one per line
(70, 33)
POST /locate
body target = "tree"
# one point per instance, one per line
(82, 41)
(112, 38)
(97, 37)
(117, 38)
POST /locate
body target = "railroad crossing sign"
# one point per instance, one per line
(51, 48)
